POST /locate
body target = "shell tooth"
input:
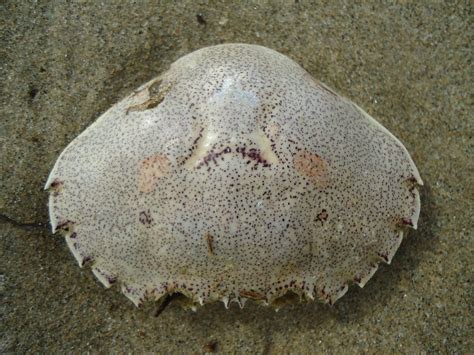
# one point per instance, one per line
(49, 182)
(53, 219)
(201, 300)
(330, 294)
(309, 295)
(416, 212)
(134, 294)
(54, 224)
(357, 279)
(367, 276)
(240, 301)
(73, 246)
(225, 300)
(334, 296)
(309, 290)
(103, 276)
(159, 291)
(391, 252)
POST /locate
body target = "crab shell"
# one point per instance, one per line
(234, 175)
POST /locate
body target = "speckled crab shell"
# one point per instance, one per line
(234, 175)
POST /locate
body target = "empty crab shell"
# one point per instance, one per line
(234, 175)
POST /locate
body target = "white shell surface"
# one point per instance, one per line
(234, 175)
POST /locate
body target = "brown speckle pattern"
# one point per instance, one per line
(300, 189)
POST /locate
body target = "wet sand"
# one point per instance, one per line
(409, 66)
